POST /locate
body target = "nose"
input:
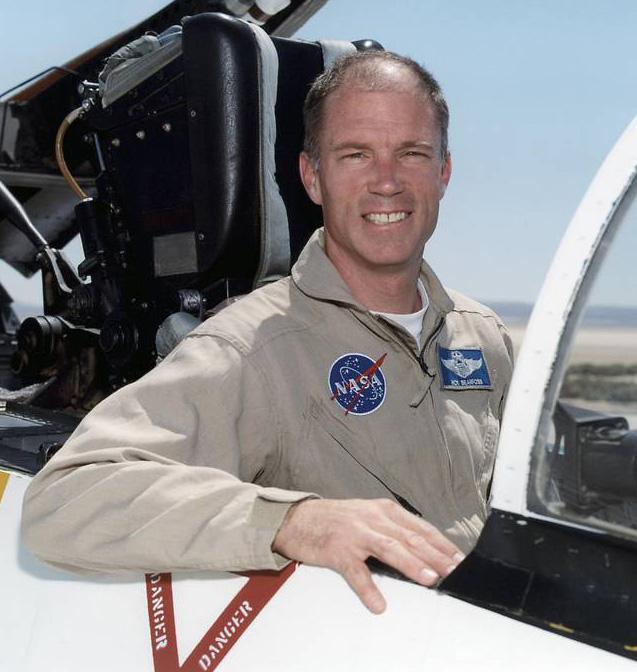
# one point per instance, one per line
(385, 179)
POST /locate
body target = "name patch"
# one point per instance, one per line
(464, 369)
(357, 383)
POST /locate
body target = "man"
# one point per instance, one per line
(358, 377)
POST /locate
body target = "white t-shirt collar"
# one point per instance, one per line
(411, 322)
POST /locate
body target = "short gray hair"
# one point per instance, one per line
(364, 69)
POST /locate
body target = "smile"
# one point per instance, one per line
(386, 217)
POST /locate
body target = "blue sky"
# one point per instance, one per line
(539, 91)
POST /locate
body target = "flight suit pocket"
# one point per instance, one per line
(342, 462)
(323, 461)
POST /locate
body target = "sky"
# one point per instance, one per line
(539, 91)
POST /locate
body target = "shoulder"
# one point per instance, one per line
(472, 309)
(473, 319)
(260, 317)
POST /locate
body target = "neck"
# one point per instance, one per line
(395, 292)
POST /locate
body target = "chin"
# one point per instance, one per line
(393, 258)
(390, 264)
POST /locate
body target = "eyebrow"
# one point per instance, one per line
(416, 143)
(349, 145)
(361, 145)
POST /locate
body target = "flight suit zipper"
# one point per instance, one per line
(420, 358)
(423, 365)
(425, 348)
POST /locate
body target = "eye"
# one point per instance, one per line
(415, 153)
(354, 156)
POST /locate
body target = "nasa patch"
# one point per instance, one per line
(464, 369)
(357, 383)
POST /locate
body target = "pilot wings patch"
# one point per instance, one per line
(463, 369)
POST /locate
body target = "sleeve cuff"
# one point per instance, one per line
(268, 512)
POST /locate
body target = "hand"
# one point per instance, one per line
(342, 534)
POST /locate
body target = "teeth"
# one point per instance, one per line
(385, 217)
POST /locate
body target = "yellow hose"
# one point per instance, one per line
(59, 152)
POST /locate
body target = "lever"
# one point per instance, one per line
(15, 213)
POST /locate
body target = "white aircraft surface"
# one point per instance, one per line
(551, 584)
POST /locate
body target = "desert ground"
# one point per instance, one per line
(594, 345)
(599, 346)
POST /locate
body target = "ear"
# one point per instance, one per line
(445, 175)
(310, 178)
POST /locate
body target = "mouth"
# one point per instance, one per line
(384, 218)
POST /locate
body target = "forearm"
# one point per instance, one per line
(143, 515)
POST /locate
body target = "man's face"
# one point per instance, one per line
(380, 179)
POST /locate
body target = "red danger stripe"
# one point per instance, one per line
(161, 616)
(222, 634)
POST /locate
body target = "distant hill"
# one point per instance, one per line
(595, 316)
(511, 311)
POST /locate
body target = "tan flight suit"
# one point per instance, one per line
(195, 465)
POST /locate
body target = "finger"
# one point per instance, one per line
(437, 539)
(425, 529)
(394, 553)
(431, 556)
(419, 546)
(361, 582)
